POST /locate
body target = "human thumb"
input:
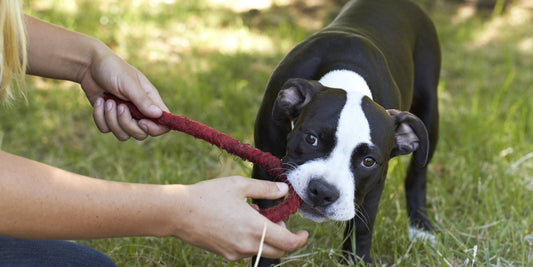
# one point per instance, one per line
(146, 98)
(266, 189)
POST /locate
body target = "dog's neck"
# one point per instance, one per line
(347, 80)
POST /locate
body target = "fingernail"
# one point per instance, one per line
(109, 106)
(143, 126)
(283, 187)
(154, 108)
(99, 102)
(120, 109)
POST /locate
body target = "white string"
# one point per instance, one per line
(261, 246)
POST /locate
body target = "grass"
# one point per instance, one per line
(211, 63)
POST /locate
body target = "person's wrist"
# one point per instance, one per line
(174, 206)
(96, 51)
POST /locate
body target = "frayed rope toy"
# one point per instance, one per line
(265, 160)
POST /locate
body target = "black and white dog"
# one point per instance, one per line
(346, 100)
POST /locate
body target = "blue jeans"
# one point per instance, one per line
(29, 252)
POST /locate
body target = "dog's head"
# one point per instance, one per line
(340, 145)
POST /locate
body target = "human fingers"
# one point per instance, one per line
(152, 128)
(274, 250)
(264, 189)
(237, 236)
(144, 96)
(267, 251)
(99, 115)
(275, 242)
(280, 238)
(129, 124)
(111, 118)
(126, 124)
(251, 243)
(151, 91)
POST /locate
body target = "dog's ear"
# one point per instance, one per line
(294, 95)
(410, 136)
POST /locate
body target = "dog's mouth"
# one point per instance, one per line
(308, 212)
(322, 200)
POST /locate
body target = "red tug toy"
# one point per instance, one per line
(265, 160)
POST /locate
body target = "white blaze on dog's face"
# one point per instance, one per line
(323, 166)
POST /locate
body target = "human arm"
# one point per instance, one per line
(41, 201)
(58, 53)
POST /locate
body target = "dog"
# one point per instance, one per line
(345, 101)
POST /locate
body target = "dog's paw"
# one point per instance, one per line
(420, 235)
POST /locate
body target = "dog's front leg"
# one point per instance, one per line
(362, 225)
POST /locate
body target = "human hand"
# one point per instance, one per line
(58, 53)
(218, 219)
(109, 73)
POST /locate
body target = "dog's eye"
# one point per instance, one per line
(368, 162)
(311, 139)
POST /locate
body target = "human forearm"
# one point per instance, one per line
(55, 52)
(40, 201)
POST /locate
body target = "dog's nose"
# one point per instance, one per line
(321, 193)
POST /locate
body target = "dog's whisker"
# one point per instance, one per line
(363, 216)
(289, 166)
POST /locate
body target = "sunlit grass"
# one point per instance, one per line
(211, 61)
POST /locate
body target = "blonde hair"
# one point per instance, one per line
(12, 49)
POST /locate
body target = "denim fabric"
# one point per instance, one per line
(28, 252)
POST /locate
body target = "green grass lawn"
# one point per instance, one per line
(211, 61)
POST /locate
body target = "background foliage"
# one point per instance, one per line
(211, 60)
